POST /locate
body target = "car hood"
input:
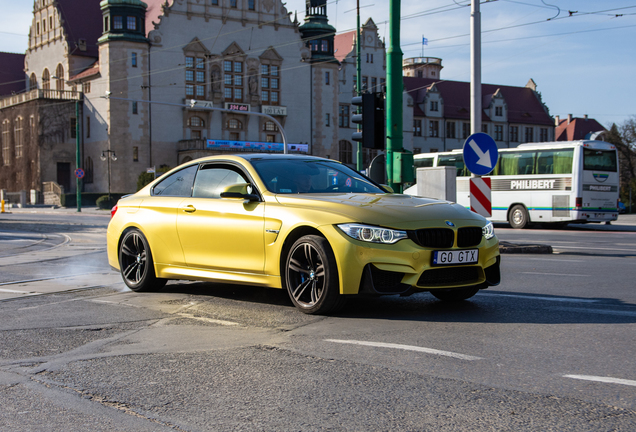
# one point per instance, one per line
(390, 210)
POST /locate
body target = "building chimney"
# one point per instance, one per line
(557, 120)
(569, 118)
(585, 117)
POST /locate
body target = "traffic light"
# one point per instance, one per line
(371, 118)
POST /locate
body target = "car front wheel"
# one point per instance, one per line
(135, 262)
(311, 276)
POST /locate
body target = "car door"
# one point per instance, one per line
(157, 215)
(225, 234)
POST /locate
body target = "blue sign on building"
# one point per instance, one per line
(480, 153)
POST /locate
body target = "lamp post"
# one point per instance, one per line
(108, 155)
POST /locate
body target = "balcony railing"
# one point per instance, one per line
(39, 94)
(422, 60)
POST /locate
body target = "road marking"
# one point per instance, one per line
(533, 297)
(209, 320)
(608, 380)
(524, 258)
(15, 292)
(593, 248)
(407, 348)
(556, 274)
(597, 311)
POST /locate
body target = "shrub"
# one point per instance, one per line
(104, 203)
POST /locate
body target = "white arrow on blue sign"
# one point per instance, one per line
(480, 153)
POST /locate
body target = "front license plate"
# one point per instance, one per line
(469, 256)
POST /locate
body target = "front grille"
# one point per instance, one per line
(433, 237)
(449, 277)
(468, 237)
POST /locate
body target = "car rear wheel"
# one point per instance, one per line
(456, 294)
(311, 276)
(135, 262)
(519, 217)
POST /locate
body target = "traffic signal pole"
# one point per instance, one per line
(359, 162)
(394, 120)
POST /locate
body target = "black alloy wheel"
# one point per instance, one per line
(135, 262)
(311, 276)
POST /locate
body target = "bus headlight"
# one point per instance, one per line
(488, 231)
(372, 234)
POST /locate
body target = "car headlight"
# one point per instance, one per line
(372, 234)
(488, 231)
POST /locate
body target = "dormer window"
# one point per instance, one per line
(499, 111)
(131, 23)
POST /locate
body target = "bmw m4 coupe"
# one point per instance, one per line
(308, 225)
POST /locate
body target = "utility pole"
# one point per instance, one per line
(359, 163)
(78, 156)
(475, 68)
(394, 88)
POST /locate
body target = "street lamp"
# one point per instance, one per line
(108, 155)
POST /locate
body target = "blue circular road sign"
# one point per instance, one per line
(480, 153)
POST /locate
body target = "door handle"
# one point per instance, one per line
(189, 208)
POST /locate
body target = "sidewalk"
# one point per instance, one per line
(42, 209)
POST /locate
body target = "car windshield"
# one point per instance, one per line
(292, 176)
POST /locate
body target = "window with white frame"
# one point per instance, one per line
(270, 84)
(417, 127)
(543, 134)
(434, 106)
(18, 136)
(450, 129)
(6, 151)
(514, 133)
(499, 111)
(529, 134)
(433, 128)
(195, 77)
(343, 116)
(498, 133)
(233, 80)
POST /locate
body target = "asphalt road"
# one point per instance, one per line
(551, 348)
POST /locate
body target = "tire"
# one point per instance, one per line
(136, 264)
(311, 276)
(456, 294)
(519, 217)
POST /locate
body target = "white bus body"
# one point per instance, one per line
(568, 181)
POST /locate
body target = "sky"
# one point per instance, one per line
(580, 53)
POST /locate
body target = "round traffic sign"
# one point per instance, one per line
(480, 153)
(79, 173)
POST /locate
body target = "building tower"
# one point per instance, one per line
(124, 65)
(318, 36)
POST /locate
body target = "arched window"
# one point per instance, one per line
(88, 171)
(6, 151)
(33, 82)
(269, 127)
(59, 82)
(196, 122)
(46, 80)
(18, 136)
(345, 153)
(234, 124)
(196, 125)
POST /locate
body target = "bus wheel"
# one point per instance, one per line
(518, 217)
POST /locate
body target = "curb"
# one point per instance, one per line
(511, 248)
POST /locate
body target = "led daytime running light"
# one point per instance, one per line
(372, 234)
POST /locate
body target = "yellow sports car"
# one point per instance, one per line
(312, 226)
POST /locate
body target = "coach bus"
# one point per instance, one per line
(568, 181)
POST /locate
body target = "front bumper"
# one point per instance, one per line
(405, 266)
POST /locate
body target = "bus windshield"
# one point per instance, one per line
(599, 160)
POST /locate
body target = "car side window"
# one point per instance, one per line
(212, 179)
(178, 184)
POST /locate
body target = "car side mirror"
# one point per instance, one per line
(387, 188)
(240, 191)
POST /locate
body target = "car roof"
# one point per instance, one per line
(261, 156)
